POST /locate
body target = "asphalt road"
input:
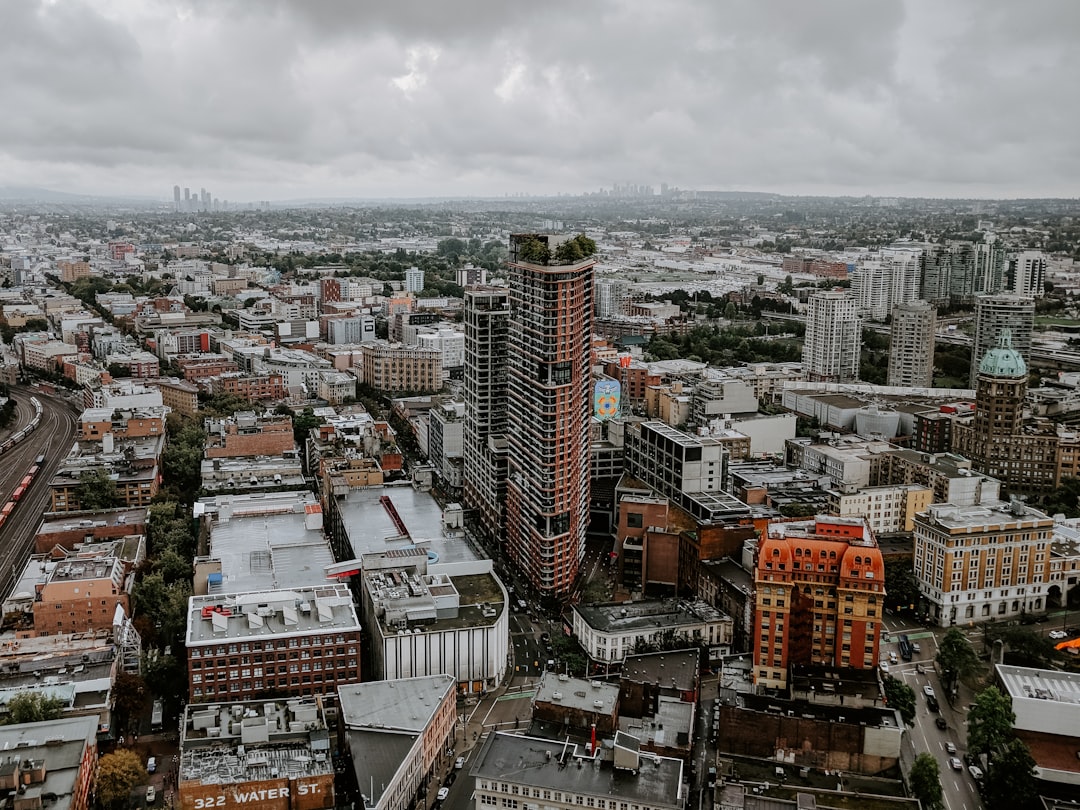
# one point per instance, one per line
(53, 437)
(958, 788)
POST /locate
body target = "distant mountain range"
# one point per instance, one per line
(35, 194)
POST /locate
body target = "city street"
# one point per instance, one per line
(958, 787)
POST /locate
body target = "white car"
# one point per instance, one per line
(1058, 634)
(950, 748)
(442, 794)
(459, 763)
(883, 666)
(956, 764)
(151, 794)
(928, 690)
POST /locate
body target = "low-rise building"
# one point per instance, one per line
(568, 776)
(304, 641)
(132, 465)
(247, 433)
(563, 702)
(271, 754)
(56, 758)
(608, 633)
(888, 509)
(1047, 708)
(398, 734)
(250, 387)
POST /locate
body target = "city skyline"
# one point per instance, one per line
(342, 100)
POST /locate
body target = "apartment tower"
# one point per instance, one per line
(487, 318)
(993, 315)
(548, 410)
(833, 338)
(911, 345)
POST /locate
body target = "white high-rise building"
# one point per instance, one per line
(1027, 273)
(414, 280)
(911, 345)
(612, 295)
(883, 280)
(833, 338)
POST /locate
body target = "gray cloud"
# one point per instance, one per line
(295, 98)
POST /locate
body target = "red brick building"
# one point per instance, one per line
(200, 366)
(247, 434)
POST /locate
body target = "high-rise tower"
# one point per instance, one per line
(993, 315)
(548, 387)
(487, 317)
(833, 338)
(911, 345)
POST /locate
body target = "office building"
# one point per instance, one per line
(820, 591)
(176, 199)
(568, 776)
(270, 754)
(993, 315)
(487, 315)
(986, 562)
(911, 345)
(303, 641)
(833, 340)
(610, 632)
(549, 385)
(392, 367)
(399, 735)
(995, 436)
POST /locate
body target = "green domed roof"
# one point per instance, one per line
(1003, 360)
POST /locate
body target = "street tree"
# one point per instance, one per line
(955, 659)
(990, 722)
(925, 782)
(1010, 781)
(901, 587)
(900, 696)
(117, 774)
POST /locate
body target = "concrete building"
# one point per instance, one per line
(949, 477)
(608, 633)
(549, 385)
(399, 736)
(996, 437)
(484, 448)
(833, 339)
(56, 758)
(297, 642)
(911, 345)
(887, 509)
(884, 280)
(446, 429)
(449, 618)
(820, 589)
(336, 386)
(393, 367)
(574, 703)
(1026, 274)
(993, 315)
(568, 776)
(1047, 708)
(987, 562)
(267, 754)
(414, 280)
(351, 329)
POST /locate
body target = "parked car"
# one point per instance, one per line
(151, 794)
(884, 666)
(442, 794)
(1058, 634)
(940, 723)
(459, 763)
(151, 765)
(956, 764)
(916, 647)
(976, 772)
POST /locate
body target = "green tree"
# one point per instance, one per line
(900, 696)
(129, 698)
(118, 773)
(303, 423)
(955, 659)
(925, 782)
(33, 707)
(901, 587)
(990, 722)
(730, 311)
(534, 251)
(786, 287)
(1010, 780)
(96, 490)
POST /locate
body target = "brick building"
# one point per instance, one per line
(248, 434)
(201, 366)
(251, 387)
(820, 591)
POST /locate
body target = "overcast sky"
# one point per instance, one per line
(276, 99)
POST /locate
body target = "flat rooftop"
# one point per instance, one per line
(1042, 684)
(988, 514)
(372, 530)
(88, 522)
(536, 762)
(630, 616)
(577, 694)
(678, 668)
(263, 542)
(271, 614)
(404, 704)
